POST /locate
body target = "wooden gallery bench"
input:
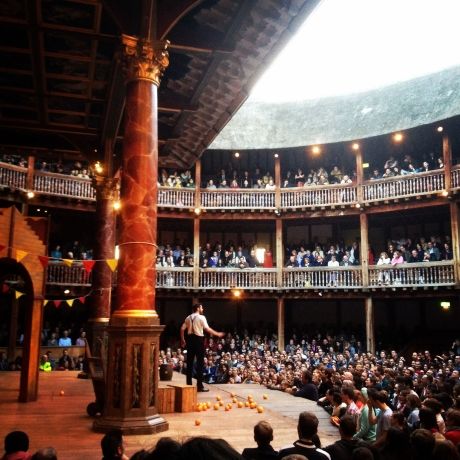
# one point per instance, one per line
(176, 398)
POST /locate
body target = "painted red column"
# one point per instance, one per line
(134, 329)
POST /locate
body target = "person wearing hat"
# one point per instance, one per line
(366, 432)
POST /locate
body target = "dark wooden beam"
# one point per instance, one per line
(170, 13)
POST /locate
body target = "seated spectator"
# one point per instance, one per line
(397, 258)
(307, 429)
(66, 362)
(166, 448)
(45, 365)
(263, 436)
(17, 446)
(210, 185)
(81, 341)
(308, 389)
(48, 453)
(202, 448)
(65, 340)
(112, 446)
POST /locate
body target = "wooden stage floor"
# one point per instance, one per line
(62, 422)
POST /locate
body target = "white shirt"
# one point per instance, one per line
(196, 324)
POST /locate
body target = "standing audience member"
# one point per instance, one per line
(379, 414)
(343, 449)
(112, 446)
(263, 436)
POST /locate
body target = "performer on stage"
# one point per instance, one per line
(196, 324)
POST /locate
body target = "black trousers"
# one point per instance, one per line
(195, 349)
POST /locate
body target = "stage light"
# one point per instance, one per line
(117, 252)
(365, 165)
(237, 154)
(439, 129)
(355, 146)
(445, 305)
(445, 193)
(67, 291)
(98, 167)
(117, 205)
(276, 155)
(30, 194)
(237, 293)
(398, 137)
(197, 211)
(316, 149)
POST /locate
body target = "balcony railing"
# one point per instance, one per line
(64, 185)
(229, 278)
(429, 274)
(322, 278)
(328, 195)
(411, 185)
(12, 176)
(238, 199)
(176, 197)
(410, 275)
(58, 273)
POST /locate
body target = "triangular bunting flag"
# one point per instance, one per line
(44, 261)
(112, 263)
(82, 299)
(68, 262)
(18, 294)
(45, 302)
(57, 303)
(2, 247)
(20, 255)
(70, 302)
(88, 264)
(5, 288)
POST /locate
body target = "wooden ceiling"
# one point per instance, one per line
(61, 87)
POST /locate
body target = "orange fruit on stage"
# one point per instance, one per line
(240, 405)
(232, 395)
(208, 405)
(218, 398)
(246, 403)
(253, 405)
(250, 397)
(265, 396)
(197, 422)
(227, 408)
(260, 409)
(221, 403)
(216, 406)
(199, 408)
(234, 400)
(61, 393)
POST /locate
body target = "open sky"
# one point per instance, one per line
(350, 46)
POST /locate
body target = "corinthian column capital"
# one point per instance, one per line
(142, 61)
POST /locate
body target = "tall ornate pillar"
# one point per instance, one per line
(104, 249)
(134, 328)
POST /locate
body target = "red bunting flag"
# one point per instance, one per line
(57, 303)
(88, 264)
(44, 261)
(5, 288)
(82, 299)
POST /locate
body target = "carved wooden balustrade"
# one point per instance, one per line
(58, 273)
(13, 177)
(455, 177)
(430, 274)
(178, 277)
(64, 185)
(229, 278)
(317, 196)
(237, 199)
(176, 197)
(411, 185)
(322, 278)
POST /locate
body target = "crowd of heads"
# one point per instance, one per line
(72, 250)
(315, 177)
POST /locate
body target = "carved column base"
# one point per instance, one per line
(132, 375)
(97, 336)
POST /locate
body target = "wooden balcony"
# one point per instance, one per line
(322, 278)
(409, 186)
(319, 196)
(406, 187)
(232, 199)
(429, 274)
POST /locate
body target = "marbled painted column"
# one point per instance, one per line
(104, 249)
(134, 329)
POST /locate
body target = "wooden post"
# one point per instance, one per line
(359, 175)
(277, 182)
(447, 160)
(364, 248)
(198, 184)
(454, 225)
(196, 252)
(369, 312)
(279, 253)
(281, 320)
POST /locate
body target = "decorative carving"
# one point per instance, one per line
(137, 372)
(117, 376)
(106, 188)
(152, 375)
(141, 61)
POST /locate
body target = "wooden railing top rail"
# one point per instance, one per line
(84, 180)
(403, 177)
(12, 167)
(439, 263)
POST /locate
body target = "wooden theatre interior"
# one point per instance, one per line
(134, 88)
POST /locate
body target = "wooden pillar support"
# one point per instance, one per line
(447, 160)
(370, 335)
(364, 248)
(278, 182)
(279, 253)
(196, 253)
(359, 175)
(281, 315)
(198, 184)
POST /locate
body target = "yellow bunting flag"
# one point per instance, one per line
(70, 302)
(112, 263)
(20, 255)
(18, 294)
(45, 302)
(68, 262)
